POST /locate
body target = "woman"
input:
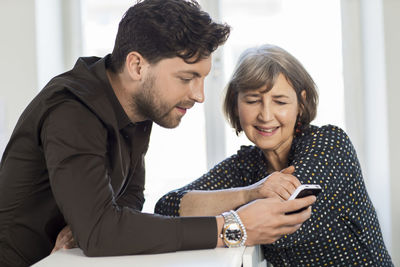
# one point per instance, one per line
(273, 99)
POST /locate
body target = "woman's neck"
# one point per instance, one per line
(278, 158)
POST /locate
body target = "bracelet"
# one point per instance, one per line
(241, 226)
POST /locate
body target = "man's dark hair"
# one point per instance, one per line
(159, 29)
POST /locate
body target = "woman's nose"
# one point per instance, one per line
(265, 113)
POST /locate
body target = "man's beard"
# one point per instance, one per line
(149, 104)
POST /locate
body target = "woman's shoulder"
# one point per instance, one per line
(318, 132)
(320, 137)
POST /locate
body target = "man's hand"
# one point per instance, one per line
(279, 185)
(64, 240)
(266, 221)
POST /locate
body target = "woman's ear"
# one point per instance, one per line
(134, 64)
(303, 95)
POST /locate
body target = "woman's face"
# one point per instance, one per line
(268, 118)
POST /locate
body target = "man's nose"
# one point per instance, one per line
(197, 92)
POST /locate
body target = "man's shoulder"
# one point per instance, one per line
(70, 119)
(62, 103)
(85, 80)
(84, 87)
(69, 109)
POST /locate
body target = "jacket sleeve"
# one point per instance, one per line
(74, 143)
(133, 196)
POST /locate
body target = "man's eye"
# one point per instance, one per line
(280, 102)
(185, 80)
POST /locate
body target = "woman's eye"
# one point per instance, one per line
(280, 102)
(251, 101)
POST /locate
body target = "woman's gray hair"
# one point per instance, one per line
(261, 66)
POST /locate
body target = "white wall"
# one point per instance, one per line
(40, 39)
(18, 68)
(59, 40)
(391, 12)
(371, 76)
(49, 48)
(376, 143)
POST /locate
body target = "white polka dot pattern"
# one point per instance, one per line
(343, 229)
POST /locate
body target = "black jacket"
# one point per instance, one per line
(75, 158)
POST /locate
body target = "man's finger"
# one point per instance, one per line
(296, 204)
(55, 249)
(70, 244)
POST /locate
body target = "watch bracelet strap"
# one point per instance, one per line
(232, 217)
(241, 226)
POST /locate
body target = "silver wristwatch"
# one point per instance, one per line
(233, 233)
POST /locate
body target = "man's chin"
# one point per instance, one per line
(170, 124)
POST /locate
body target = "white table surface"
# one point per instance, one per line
(218, 257)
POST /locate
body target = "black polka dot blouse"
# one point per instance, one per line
(343, 229)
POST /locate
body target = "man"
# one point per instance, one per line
(76, 156)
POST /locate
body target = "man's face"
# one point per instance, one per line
(169, 88)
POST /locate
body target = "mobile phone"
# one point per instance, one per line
(306, 190)
(303, 191)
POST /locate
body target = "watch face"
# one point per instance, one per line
(233, 234)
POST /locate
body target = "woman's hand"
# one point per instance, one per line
(277, 185)
(64, 240)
